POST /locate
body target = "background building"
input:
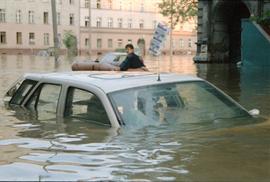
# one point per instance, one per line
(26, 25)
(115, 23)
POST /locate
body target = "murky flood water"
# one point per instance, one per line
(34, 148)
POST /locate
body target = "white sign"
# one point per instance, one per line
(158, 39)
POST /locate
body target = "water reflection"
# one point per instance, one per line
(44, 147)
(255, 87)
(225, 76)
(154, 153)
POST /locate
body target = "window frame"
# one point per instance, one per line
(3, 14)
(3, 37)
(90, 92)
(38, 89)
(35, 83)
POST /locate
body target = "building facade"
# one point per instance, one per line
(114, 23)
(220, 27)
(26, 25)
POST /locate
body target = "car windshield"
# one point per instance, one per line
(107, 58)
(174, 102)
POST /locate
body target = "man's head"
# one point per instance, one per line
(129, 48)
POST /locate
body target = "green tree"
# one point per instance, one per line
(264, 19)
(178, 10)
(70, 41)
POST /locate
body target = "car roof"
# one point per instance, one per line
(111, 81)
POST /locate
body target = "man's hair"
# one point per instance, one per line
(129, 46)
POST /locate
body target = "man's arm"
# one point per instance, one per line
(124, 65)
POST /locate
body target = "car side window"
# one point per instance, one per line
(85, 105)
(45, 98)
(22, 92)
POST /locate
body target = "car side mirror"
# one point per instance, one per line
(254, 112)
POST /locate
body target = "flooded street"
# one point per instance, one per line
(43, 149)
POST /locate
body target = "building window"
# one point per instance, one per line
(181, 43)
(3, 38)
(99, 43)
(31, 17)
(120, 22)
(110, 22)
(58, 19)
(71, 19)
(31, 38)
(98, 22)
(86, 21)
(110, 43)
(130, 6)
(18, 16)
(141, 24)
(120, 43)
(142, 7)
(59, 1)
(110, 4)
(129, 41)
(87, 3)
(86, 42)
(46, 18)
(129, 23)
(98, 4)
(2, 15)
(46, 39)
(19, 37)
(189, 43)
(71, 1)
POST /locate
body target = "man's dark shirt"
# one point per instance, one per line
(131, 61)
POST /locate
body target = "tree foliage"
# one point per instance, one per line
(70, 41)
(178, 10)
(264, 19)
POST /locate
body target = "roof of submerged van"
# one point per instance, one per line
(112, 81)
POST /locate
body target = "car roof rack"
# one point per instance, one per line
(107, 76)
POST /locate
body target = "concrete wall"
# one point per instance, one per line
(219, 24)
(255, 45)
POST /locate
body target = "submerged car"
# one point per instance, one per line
(113, 58)
(116, 98)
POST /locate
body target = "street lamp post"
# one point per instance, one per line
(171, 19)
(55, 34)
(89, 30)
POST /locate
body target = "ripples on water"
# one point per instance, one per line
(36, 148)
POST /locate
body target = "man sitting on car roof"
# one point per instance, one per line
(132, 61)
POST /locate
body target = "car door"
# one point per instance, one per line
(85, 105)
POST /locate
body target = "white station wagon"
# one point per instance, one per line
(124, 98)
